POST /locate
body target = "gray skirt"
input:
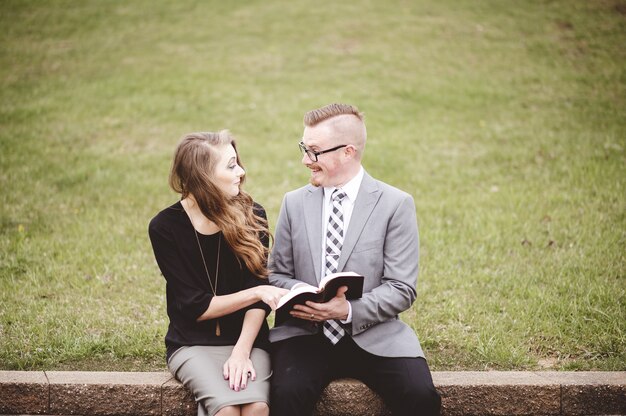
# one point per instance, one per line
(199, 368)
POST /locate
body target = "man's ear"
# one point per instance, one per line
(350, 150)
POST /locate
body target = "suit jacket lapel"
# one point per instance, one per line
(312, 201)
(363, 206)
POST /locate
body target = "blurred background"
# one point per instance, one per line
(504, 119)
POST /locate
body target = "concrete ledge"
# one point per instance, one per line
(463, 393)
(88, 393)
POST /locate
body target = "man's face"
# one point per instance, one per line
(329, 169)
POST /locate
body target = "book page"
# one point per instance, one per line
(305, 288)
(331, 276)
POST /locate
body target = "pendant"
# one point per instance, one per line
(218, 331)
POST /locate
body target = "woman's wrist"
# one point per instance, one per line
(240, 349)
(257, 293)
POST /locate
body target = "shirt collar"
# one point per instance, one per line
(351, 188)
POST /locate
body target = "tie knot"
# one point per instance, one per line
(338, 195)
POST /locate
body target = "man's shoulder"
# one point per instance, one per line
(297, 193)
(389, 191)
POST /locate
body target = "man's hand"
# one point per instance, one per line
(336, 308)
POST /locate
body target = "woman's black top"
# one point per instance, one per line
(187, 287)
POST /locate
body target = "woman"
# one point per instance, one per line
(211, 247)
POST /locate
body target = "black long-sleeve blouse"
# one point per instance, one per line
(188, 290)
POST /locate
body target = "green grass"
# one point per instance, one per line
(505, 121)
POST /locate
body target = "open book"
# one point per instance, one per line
(326, 290)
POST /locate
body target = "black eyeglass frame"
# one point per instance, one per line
(313, 154)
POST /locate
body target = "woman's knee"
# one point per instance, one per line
(229, 411)
(255, 409)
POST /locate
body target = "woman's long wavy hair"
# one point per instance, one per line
(192, 173)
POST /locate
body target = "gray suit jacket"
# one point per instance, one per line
(381, 243)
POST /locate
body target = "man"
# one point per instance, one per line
(347, 221)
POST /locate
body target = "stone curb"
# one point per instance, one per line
(463, 393)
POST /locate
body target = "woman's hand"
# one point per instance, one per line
(238, 368)
(270, 294)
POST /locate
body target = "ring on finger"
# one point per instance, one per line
(312, 316)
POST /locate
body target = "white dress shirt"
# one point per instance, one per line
(351, 188)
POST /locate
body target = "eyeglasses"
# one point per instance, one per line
(313, 154)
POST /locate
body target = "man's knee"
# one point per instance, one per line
(293, 396)
(288, 387)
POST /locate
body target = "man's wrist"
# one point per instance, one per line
(349, 317)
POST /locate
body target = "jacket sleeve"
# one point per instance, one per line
(397, 292)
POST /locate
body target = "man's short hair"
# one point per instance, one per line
(318, 115)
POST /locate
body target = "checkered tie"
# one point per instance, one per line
(334, 240)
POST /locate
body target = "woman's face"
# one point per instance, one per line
(228, 173)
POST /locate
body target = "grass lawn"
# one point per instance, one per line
(504, 119)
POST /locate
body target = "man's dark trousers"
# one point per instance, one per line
(304, 365)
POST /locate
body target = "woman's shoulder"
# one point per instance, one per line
(258, 210)
(167, 217)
